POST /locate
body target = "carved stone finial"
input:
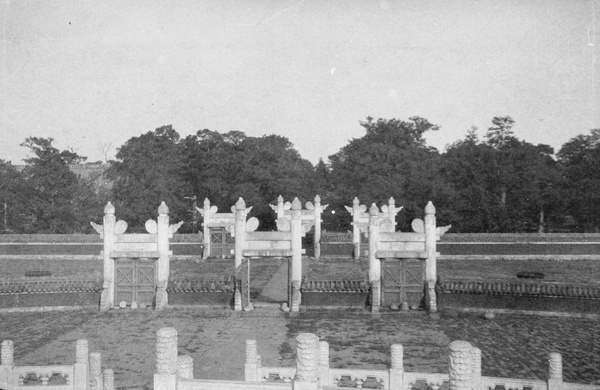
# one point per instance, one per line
(81, 351)
(296, 205)
(323, 353)
(7, 351)
(109, 208)
(307, 357)
(251, 352)
(430, 208)
(355, 201)
(166, 351)
(95, 364)
(185, 367)
(240, 204)
(206, 202)
(108, 379)
(555, 366)
(392, 201)
(317, 199)
(461, 365)
(397, 356)
(280, 199)
(373, 210)
(163, 209)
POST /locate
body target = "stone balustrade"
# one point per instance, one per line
(85, 374)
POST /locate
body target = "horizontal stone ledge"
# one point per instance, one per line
(400, 255)
(267, 253)
(134, 254)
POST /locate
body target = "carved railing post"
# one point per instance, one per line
(374, 262)
(296, 232)
(461, 365)
(324, 363)
(185, 367)
(95, 378)
(108, 379)
(165, 377)
(397, 367)
(431, 262)
(307, 362)
(107, 299)
(253, 363)
(555, 375)
(6, 364)
(476, 375)
(81, 367)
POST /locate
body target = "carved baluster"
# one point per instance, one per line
(166, 359)
(108, 379)
(555, 375)
(461, 362)
(397, 368)
(324, 363)
(307, 361)
(95, 371)
(185, 367)
(252, 366)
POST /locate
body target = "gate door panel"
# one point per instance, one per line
(403, 281)
(135, 281)
(221, 243)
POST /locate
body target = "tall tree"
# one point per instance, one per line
(581, 159)
(149, 170)
(57, 202)
(11, 198)
(390, 160)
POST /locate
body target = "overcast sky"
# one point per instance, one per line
(92, 73)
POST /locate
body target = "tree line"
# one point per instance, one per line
(497, 184)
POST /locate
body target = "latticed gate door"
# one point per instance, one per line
(402, 281)
(135, 281)
(221, 243)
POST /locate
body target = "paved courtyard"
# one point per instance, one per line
(511, 345)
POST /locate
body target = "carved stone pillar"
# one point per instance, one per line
(317, 238)
(162, 271)
(324, 363)
(107, 299)
(252, 366)
(185, 367)
(81, 368)
(476, 355)
(461, 365)
(6, 364)
(555, 375)
(431, 249)
(206, 229)
(397, 367)
(95, 373)
(108, 379)
(165, 377)
(296, 233)
(374, 263)
(307, 362)
(8, 350)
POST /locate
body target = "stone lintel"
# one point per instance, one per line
(134, 254)
(400, 255)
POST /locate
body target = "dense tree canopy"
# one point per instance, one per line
(498, 184)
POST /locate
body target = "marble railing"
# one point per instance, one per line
(85, 374)
(312, 371)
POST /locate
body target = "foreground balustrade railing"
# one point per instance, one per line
(85, 374)
(312, 371)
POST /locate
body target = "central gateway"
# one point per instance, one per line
(135, 280)
(402, 281)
